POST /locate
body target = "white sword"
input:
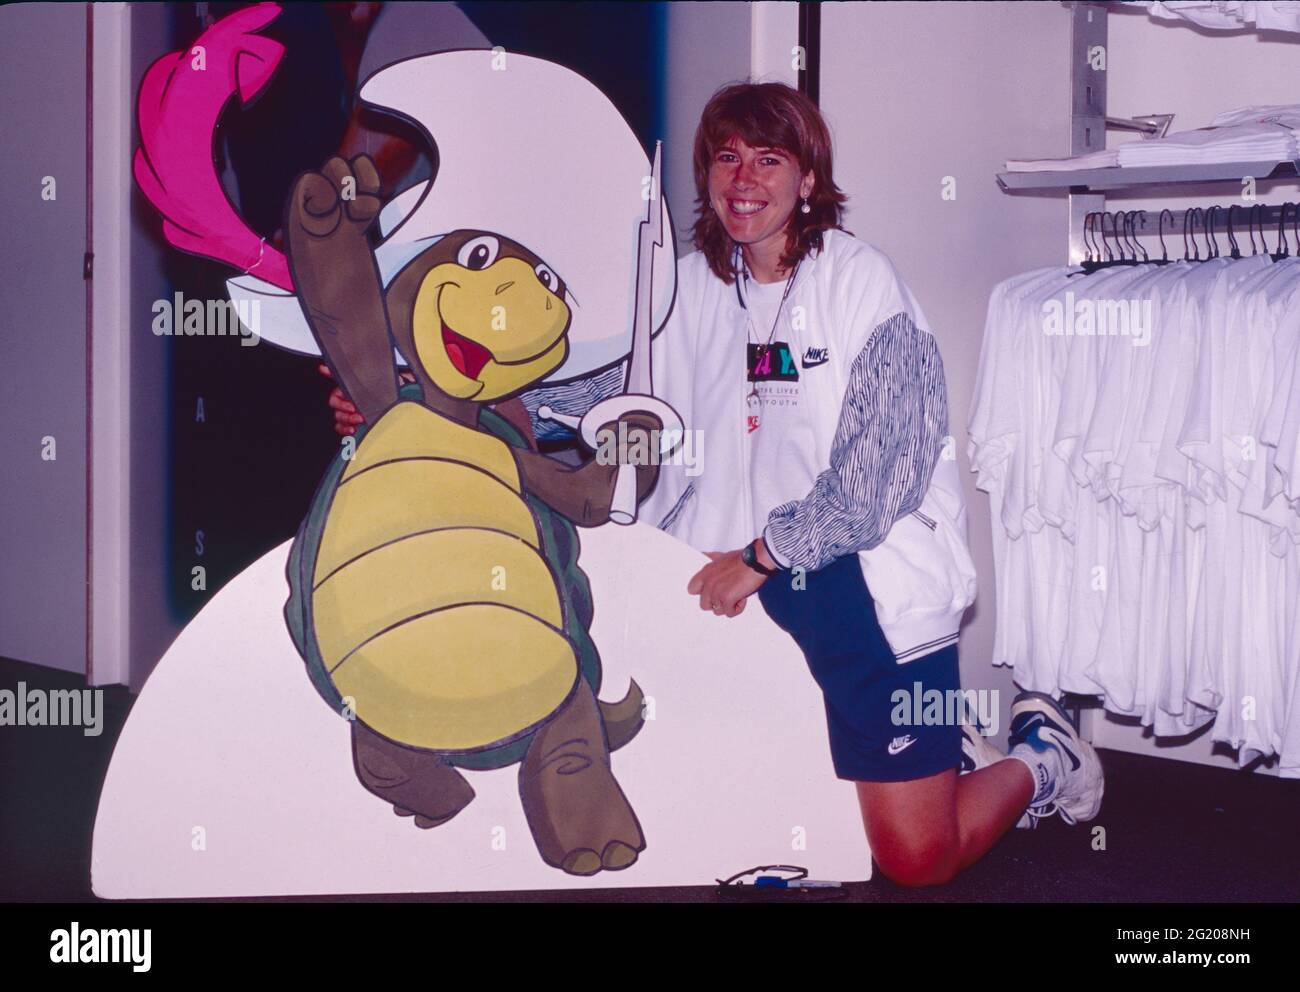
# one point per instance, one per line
(638, 386)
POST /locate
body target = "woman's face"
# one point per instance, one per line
(755, 190)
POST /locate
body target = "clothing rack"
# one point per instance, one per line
(1086, 192)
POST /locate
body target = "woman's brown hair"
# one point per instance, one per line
(766, 115)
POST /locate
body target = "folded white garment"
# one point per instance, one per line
(1277, 15)
(1283, 114)
(1104, 159)
(1212, 156)
(1215, 16)
(1266, 133)
(1250, 141)
(1228, 15)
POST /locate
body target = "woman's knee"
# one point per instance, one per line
(916, 865)
(912, 829)
(915, 857)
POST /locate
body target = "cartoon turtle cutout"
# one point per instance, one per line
(436, 594)
(434, 587)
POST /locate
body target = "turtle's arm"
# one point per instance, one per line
(337, 279)
(583, 494)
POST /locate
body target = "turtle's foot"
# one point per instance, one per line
(418, 783)
(579, 817)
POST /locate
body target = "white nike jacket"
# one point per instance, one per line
(852, 452)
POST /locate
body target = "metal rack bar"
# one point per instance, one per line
(1150, 125)
(1083, 181)
(1087, 110)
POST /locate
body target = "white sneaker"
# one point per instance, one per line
(1039, 723)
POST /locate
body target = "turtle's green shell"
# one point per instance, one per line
(558, 544)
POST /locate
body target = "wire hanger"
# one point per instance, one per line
(1133, 215)
(1122, 239)
(1092, 253)
(1210, 241)
(1283, 247)
(1189, 222)
(1232, 238)
(1090, 227)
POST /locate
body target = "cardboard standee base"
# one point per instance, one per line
(233, 778)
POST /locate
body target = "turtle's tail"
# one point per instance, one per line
(624, 718)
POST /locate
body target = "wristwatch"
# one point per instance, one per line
(750, 558)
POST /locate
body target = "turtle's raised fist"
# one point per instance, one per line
(337, 280)
(341, 197)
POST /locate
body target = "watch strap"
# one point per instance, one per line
(750, 558)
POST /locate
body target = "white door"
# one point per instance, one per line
(43, 335)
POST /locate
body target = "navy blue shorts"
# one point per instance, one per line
(874, 735)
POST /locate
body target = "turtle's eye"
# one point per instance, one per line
(548, 278)
(479, 253)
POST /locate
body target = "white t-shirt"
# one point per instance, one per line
(772, 343)
(1096, 452)
(996, 449)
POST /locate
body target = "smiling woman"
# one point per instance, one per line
(826, 492)
(745, 156)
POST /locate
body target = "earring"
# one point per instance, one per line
(805, 208)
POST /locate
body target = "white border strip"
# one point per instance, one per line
(773, 35)
(110, 357)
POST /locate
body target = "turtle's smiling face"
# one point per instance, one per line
(489, 317)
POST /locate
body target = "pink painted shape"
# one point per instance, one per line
(178, 111)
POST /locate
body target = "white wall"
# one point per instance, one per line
(708, 46)
(914, 93)
(774, 33)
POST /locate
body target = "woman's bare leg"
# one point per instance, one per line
(924, 831)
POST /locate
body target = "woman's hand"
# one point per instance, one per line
(346, 416)
(725, 583)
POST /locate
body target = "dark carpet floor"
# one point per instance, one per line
(1173, 832)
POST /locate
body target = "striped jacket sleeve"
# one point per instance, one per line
(574, 398)
(890, 434)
